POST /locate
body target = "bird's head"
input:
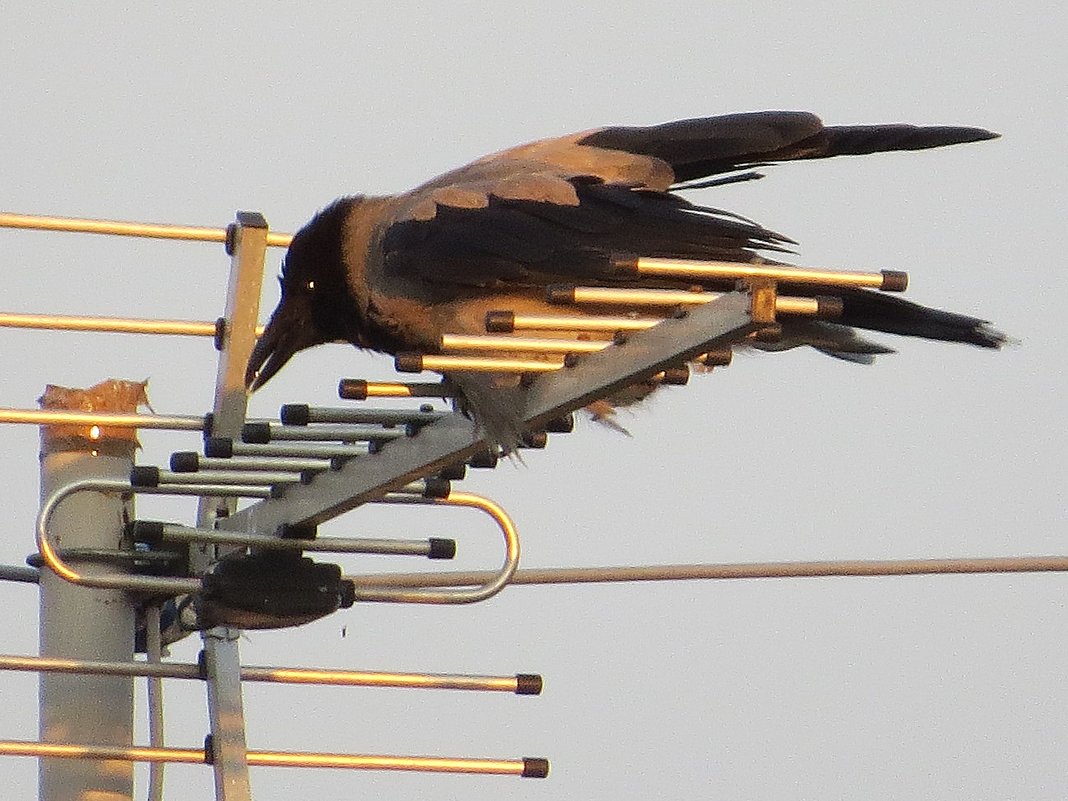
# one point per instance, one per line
(317, 304)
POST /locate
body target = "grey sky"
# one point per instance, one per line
(939, 687)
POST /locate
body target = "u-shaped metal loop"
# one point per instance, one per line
(178, 586)
(491, 587)
(117, 581)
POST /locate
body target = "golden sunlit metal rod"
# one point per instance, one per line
(417, 362)
(88, 751)
(886, 280)
(274, 675)
(620, 296)
(537, 768)
(561, 322)
(361, 389)
(110, 325)
(121, 228)
(750, 570)
(490, 342)
(40, 417)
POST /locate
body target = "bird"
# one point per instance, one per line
(393, 273)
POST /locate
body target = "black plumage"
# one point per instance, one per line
(394, 273)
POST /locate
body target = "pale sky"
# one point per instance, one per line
(925, 687)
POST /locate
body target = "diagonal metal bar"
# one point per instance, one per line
(455, 438)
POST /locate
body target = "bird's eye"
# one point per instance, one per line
(310, 285)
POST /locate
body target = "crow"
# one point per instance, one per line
(394, 273)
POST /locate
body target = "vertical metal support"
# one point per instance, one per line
(81, 623)
(247, 244)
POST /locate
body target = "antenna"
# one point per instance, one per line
(248, 567)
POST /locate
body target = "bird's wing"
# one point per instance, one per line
(559, 209)
(567, 228)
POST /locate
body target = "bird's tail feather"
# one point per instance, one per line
(873, 311)
(877, 311)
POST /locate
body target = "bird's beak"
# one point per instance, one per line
(279, 341)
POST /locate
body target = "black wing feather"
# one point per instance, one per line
(521, 241)
(708, 146)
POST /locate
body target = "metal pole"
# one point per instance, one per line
(247, 245)
(82, 623)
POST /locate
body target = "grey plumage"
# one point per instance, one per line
(394, 273)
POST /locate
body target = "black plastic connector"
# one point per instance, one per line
(528, 684)
(347, 594)
(352, 389)
(561, 425)
(500, 322)
(295, 414)
(185, 461)
(219, 337)
(454, 472)
(624, 265)
(676, 376)
(219, 447)
(829, 307)
(561, 294)
(256, 433)
(484, 459)
(442, 548)
(408, 362)
(535, 440)
(894, 281)
(144, 476)
(535, 767)
(148, 532)
(436, 488)
(295, 531)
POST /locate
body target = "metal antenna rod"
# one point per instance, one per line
(744, 570)
(119, 228)
(455, 438)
